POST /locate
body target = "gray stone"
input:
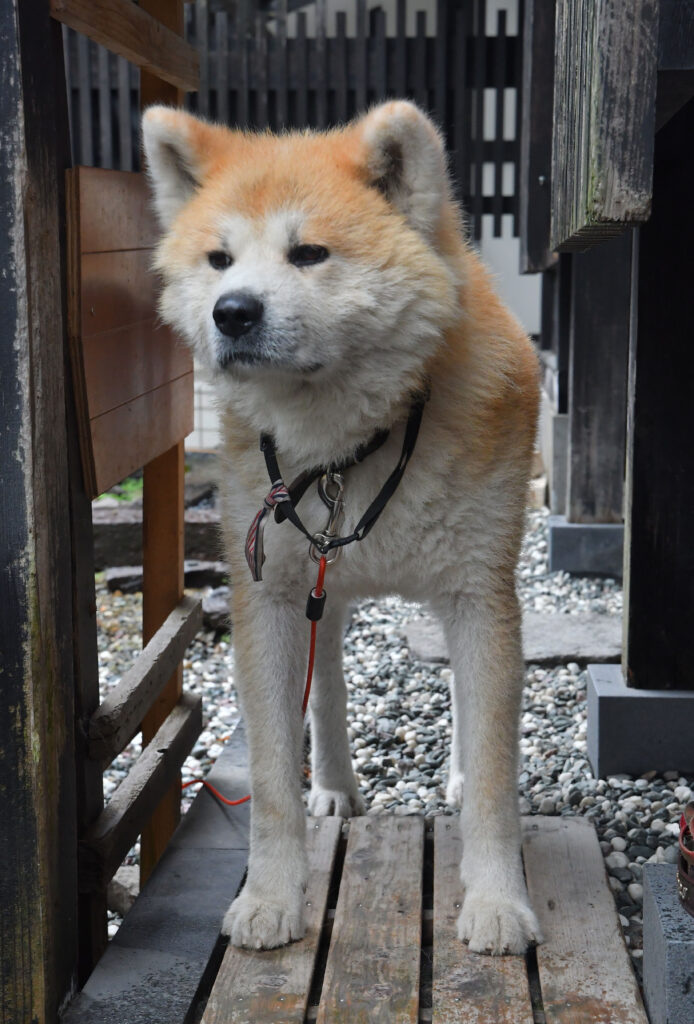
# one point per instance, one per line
(547, 639)
(668, 948)
(215, 609)
(123, 889)
(584, 548)
(197, 573)
(633, 730)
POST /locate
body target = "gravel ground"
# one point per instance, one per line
(400, 724)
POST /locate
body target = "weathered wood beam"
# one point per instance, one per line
(104, 846)
(38, 891)
(128, 30)
(606, 55)
(120, 714)
(659, 552)
(535, 163)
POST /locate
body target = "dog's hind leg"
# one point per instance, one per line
(483, 634)
(333, 785)
(270, 650)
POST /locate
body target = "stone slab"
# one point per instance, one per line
(585, 548)
(152, 969)
(668, 949)
(547, 639)
(637, 731)
(118, 535)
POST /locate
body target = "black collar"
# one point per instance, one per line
(285, 506)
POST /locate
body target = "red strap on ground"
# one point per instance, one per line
(317, 592)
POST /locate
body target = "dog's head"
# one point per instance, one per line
(293, 263)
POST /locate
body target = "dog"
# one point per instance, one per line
(324, 281)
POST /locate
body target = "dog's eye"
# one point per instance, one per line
(307, 255)
(219, 260)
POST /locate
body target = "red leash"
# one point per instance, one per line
(318, 594)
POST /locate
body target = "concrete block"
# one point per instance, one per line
(585, 548)
(668, 949)
(554, 446)
(637, 731)
(547, 639)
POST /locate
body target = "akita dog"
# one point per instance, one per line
(324, 281)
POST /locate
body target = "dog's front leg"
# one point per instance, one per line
(484, 640)
(270, 645)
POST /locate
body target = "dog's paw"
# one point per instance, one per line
(256, 923)
(454, 789)
(338, 802)
(497, 924)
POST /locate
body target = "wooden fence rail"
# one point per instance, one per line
(273, 73)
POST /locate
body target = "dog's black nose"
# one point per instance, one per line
(236, 312)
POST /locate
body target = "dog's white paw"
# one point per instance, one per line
(497, 924)
(338, 802)
(454, 789)
(256, 923)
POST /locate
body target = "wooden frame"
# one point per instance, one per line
(131, 32)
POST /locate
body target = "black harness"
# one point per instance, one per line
(284, 499)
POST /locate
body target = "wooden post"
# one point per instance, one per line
(162, 526)
(659, 543)
(599, 338)
(38, 839)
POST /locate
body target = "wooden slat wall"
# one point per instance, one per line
(257, 75)
(132, 380)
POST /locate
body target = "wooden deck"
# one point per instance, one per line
(381, 946)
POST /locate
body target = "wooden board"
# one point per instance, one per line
(273, 986)
(604, 119)
(584, 967)
(128, 30)
(132, 377)
(372, 974)
(468, 988)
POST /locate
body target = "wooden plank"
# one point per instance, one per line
(420, 61)
(598, 357)
(38, 934)
(461, 118)
(535, 163)
(202, 46)
(242, 61)
(280, 54)
(105, 844)
(380, 54)
(480, 73)
(117, 289)
(117, 211)
(145, 428)
(585, 974)
(361, 66)
(400, 57)
(604, 119)
(499, 102)
(301, 116)
(84, 101)
(468, 988)
(273, 986)
(441, 65)
(261, 97)
(320, 64)
(125, 135)
(128, 30)
(221, 25)
(341, 76)
(105, 141)
(372, 973)
(162, 512)
(659, 554)
(118, 717)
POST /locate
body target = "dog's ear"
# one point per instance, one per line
(178, 148)
(406, 161)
